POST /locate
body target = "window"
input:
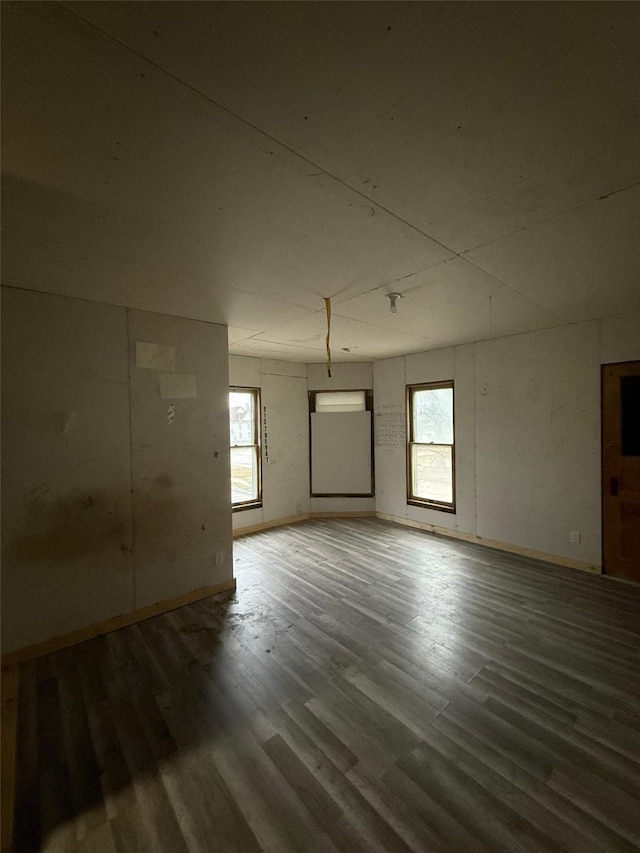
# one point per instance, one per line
(340, 401)
(430, 447)
(244, 426)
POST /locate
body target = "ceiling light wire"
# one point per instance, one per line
(327, 305)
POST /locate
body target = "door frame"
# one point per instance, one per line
(604, 486)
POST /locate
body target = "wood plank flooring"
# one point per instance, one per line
(368, 688)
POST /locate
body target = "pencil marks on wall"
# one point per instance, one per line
(528, 449)
(556, 405)
(555, 447)
(265, 436)
(533, 389)
(507, 402)
(537, 434)
(540, 418)
(390, 428)
(537, 413)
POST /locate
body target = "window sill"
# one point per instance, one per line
(250, 505)
(432, 505)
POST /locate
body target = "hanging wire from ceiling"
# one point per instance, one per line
(327, 305)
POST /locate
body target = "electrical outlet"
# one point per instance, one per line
(574, 537)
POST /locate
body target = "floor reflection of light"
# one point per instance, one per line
(436, 631)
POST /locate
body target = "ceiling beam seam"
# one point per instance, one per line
(259, 130)
(551, 216)
(112, 304)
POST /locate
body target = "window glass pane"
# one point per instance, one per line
(340, 401)
(432, 468)
(433, 415)
(630, 415)
(241, 417)
(244, 474)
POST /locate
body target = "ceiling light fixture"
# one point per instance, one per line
(393, 302)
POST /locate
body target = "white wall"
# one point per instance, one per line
(285, 456)
(180, 461)
(527, 411)
(345, 376)
(538, 440)
(620, 338)
(108, 502)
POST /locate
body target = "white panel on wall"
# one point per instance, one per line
(432, 366)
(436, 517)
(341, 453)
(620, 338)
(244, 372)
(465, 436)
(346, 505)
(283, 368)
(389, 436)
(286, 450)
(66, 502)
(538, 440)
(180, 457)
(347, 376)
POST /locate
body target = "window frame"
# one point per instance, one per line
(412, 499)
(256, 445)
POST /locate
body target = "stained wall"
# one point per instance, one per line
(115, 464)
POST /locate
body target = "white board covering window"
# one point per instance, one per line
(341, 444)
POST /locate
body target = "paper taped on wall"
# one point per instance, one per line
(155, 356)
(174, 385)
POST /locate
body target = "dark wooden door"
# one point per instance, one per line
(621, 469)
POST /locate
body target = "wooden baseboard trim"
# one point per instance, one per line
(63, 641)
(359, 513)
(267, 525)
(493, 543)
(303, 516)
(9, 711)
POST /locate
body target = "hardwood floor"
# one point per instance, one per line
(369, 688)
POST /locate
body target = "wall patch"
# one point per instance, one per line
(155, 356)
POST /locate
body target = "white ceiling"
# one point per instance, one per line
(239, 162)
